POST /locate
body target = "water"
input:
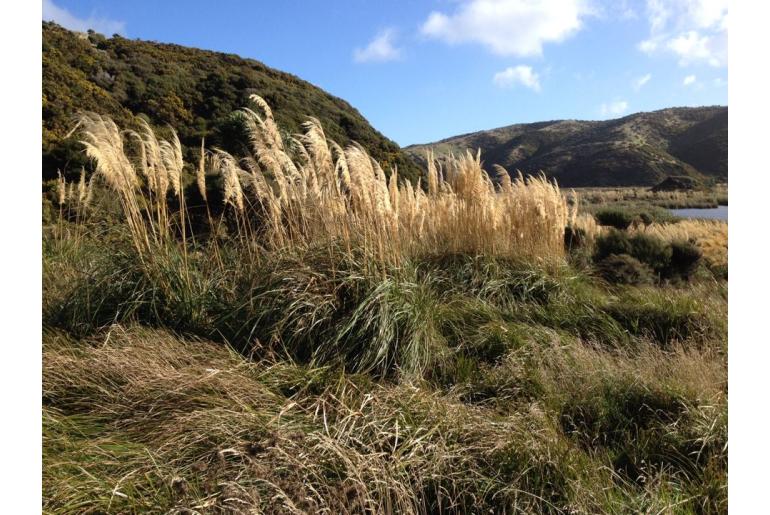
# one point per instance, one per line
(713, 213)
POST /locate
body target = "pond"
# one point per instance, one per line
(714, 213)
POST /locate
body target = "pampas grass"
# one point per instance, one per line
(309, 191)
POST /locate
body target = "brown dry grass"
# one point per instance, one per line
(177, 425)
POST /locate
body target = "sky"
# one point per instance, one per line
(420, 71)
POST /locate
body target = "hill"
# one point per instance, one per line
(639, 149)
(195, 91)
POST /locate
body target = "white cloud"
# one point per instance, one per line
(614, 108)
(521, 74)
(380, 49)
(693, 30)
(509, 27)
(641, 81)
(52, 12)
(690, 79)
(692, 47)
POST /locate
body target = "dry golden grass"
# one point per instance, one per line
(709, 235)
(693, 198)
(140, 419)
(308, 191)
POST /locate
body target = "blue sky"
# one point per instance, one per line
(422, 71)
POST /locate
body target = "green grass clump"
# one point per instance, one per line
(624, 269)
(616, 218)
(630, 259)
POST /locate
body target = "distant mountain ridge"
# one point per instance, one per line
(636, 150)
(195, 91)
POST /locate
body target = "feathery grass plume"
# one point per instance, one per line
(171, 154)
(326, 195)
(587, 223)
(201, 172)
(155, 166)
(61, 189)
(432, 173)
(104, 144)
(89, 192)
(230, 171)
(341, 169)
(82, 186)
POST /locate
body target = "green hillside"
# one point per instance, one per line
(195, 91)
(639, 149)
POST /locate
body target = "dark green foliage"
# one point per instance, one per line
(669, 261)
(606, 418)
(662, 320)
(616, 218)
(645, 217)
(651, 251)
(685, 257)
(624, 418)
(195, 91)
(677, 183)
(613, 242)
(574, 238)
(624, 269)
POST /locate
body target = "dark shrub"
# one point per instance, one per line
(574, 237)
(651, 250)
(616, 218)
(646, 218)
(614, 242)
(624, 269)
(685, 257)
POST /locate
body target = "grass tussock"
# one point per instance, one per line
(226, 434)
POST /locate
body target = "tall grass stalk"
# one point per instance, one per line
(308, 191)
